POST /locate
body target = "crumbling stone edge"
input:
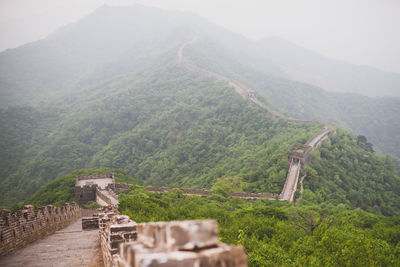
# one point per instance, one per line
(176, 243)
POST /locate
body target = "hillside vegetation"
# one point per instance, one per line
(344, 172)
(313, 231)
(163, 125)
(119, 99)
(378, 118)
(61, 190)
(280, 234)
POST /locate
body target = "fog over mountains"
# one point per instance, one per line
(117, 40)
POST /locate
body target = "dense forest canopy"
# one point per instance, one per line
(163, 125)
(280, 234)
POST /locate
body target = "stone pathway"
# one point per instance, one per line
(68, 247)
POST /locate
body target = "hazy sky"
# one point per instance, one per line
(359, 31)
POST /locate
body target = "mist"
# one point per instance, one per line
(362, 32)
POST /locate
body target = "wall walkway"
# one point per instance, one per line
(70, 246)
(250, 94)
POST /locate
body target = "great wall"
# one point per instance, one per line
(61, 236)
(300, 154)
(106, 238)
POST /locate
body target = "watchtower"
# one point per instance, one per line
(301, 153)
(85, 186)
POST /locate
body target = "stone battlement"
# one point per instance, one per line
(175, 243)
(19, 228)
(86, 185)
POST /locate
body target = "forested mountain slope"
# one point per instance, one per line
(132, 106)
(101, 46)
(377, 118)
(163, 125)
(110, 41)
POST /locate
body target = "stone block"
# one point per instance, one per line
(223, 255)
(135, 254)
(179, 235)
(124, 227)
(90, 223)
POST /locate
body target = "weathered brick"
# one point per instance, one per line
(90, 223)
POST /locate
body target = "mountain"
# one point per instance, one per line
(102, 46)
(107, 42)
(306, 66)
(109, 91)
(375, 117)
(163, 124)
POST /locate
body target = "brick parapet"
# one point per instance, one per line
(19, 228)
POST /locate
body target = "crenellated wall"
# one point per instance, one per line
(17, 229)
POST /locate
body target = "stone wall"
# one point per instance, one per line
(122, 187)
(254, 195)
(106, 197)
(176, 243)
(202, 192)
(96, 176)
(85, 193)
(17, 229)
(85, 186)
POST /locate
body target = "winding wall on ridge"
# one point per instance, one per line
(296, 164)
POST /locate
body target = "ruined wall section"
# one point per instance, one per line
(17, 229)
